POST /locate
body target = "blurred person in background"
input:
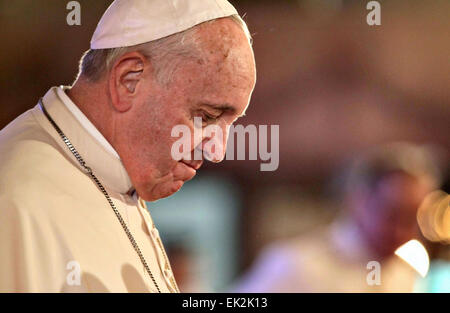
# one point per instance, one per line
(381, 193)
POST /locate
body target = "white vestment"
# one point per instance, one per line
(334, 259)
(58, 232)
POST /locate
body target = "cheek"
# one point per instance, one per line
(151, 140)
(166, 141)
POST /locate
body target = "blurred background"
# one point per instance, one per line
(342, 92)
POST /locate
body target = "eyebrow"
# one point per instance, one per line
(223, 107)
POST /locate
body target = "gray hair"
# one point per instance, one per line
(165, 53)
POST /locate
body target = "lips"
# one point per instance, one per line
(195, 165)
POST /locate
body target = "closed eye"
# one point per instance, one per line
(209, 118)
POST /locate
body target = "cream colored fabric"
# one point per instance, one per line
(53, 217)
(130, 22)
(327, 260)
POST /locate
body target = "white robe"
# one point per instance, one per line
(57, 231)
(333, 259)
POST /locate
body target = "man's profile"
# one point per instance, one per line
(76, 170)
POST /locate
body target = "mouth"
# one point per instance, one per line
(194, 166)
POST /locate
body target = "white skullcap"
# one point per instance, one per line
(131, 22)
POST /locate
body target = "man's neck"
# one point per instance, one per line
(92, 103)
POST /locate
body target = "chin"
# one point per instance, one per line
(160, 191)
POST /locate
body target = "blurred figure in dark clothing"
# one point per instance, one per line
(381, 193)
(384, 189)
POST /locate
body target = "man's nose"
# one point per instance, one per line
(214, 147)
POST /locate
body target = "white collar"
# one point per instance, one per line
(107, 166)
(84, 121)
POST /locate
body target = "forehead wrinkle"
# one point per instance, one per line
(218, 37)
(223, 46)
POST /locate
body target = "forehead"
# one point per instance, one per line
(223, 45)
(224, 70)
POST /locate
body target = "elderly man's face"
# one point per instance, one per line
(216, 88)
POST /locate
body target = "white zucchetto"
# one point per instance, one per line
(131, 22)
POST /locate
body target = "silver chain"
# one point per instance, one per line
(88, 171)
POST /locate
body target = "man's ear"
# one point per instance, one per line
(125, 78)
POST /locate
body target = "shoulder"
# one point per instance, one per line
(32, 165)
(23, 135)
